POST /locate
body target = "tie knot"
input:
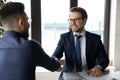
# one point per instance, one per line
(78, 36)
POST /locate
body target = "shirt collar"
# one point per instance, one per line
(13, 33)
(83, 33)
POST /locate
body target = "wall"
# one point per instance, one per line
(117, 37)
(115, 33)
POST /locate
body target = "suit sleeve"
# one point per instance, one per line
(58, 53)
(42, 59)
(103, 59)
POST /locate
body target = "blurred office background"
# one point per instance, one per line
(48, 19)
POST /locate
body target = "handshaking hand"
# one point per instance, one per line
(60, 68)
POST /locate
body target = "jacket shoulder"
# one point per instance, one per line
(92, 34)
(67, 33)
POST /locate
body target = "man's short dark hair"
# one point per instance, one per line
(11, 8)
(80, 10)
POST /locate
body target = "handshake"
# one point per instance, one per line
(59, 68)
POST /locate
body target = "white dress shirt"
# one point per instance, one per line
(83, 49)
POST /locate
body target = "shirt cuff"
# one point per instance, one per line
(100, 67)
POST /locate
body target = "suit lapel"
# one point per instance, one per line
(88, 43)
(72, 45)
(72, 41)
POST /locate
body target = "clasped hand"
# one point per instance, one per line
(95, 72)
(60, 68)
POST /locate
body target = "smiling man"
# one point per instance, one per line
(83, 50)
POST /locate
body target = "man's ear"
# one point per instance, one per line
(20, 22)
(85, 20)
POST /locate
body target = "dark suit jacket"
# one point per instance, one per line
(19, 57)
(94, 51)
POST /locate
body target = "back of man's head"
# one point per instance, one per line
(11, 9)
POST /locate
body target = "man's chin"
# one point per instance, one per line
(75, 31)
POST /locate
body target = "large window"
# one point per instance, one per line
(54, 15)
(95, 10)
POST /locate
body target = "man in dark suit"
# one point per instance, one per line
(18, 55)
(93, 58)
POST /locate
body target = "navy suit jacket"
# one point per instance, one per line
(95, 51)
(19, 57)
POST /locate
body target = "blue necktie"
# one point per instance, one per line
(78, 54)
